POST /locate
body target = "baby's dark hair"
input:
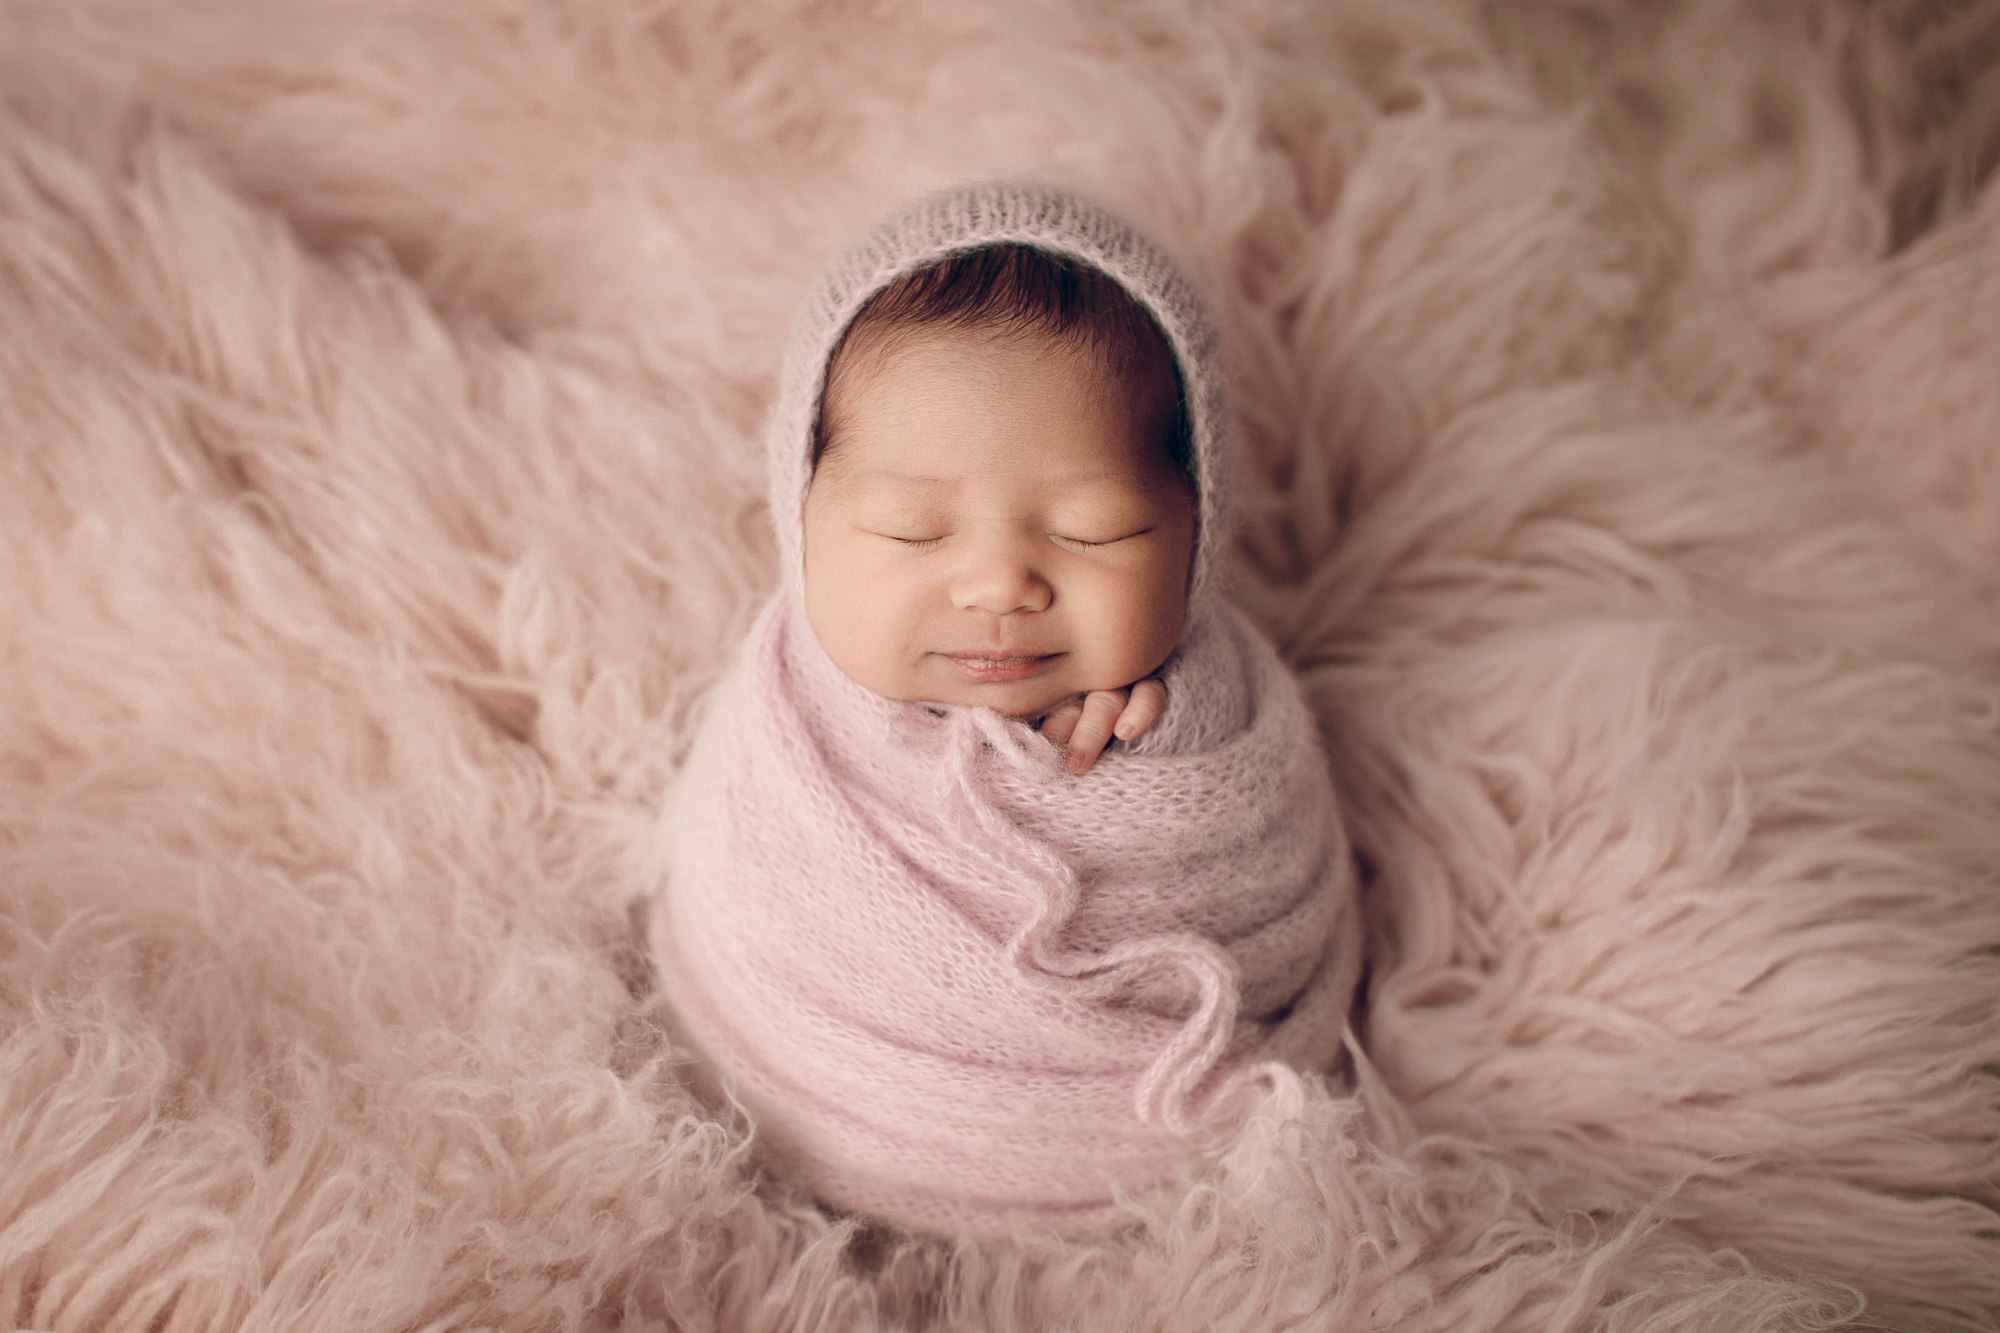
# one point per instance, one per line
(1020, 292)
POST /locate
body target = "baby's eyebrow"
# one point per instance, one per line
(851, 479)
(1144, 483)
(1095, 477)
(861, 481)
(846, 478)
(892, 474)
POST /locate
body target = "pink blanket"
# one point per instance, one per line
(953, 984)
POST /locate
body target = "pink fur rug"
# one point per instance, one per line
(379, 492)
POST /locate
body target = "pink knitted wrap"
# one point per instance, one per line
(954, 985)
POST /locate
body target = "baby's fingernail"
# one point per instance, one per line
(1123, 731)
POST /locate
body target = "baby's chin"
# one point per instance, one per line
(1027, 698)
(1024, 700)
(1020, 707)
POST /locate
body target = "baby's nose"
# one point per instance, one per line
(999, 577)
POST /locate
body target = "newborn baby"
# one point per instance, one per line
(968, 960)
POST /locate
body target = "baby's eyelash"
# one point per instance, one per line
(1079, 541)
(916, 543)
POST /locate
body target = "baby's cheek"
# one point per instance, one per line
(1134, 628)
(843, 621)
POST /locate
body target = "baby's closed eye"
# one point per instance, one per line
(919, 536)
(1098, 538)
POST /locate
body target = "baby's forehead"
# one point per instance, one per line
(902, 365)
(878, 361)
(934, 385)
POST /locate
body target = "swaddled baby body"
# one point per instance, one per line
(1008, 875)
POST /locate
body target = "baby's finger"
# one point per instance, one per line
(1149, 700)
(1060, 725)
(1093, 729)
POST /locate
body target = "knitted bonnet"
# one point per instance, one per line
(987, 213)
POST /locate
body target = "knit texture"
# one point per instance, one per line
(955, 986)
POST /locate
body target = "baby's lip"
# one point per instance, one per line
(993, 664)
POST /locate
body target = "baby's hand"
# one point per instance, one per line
(1084, 728)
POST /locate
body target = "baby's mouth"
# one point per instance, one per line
(985, 666)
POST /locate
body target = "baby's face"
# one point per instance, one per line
(991, 524)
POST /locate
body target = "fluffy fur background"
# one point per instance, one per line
(379, 489)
